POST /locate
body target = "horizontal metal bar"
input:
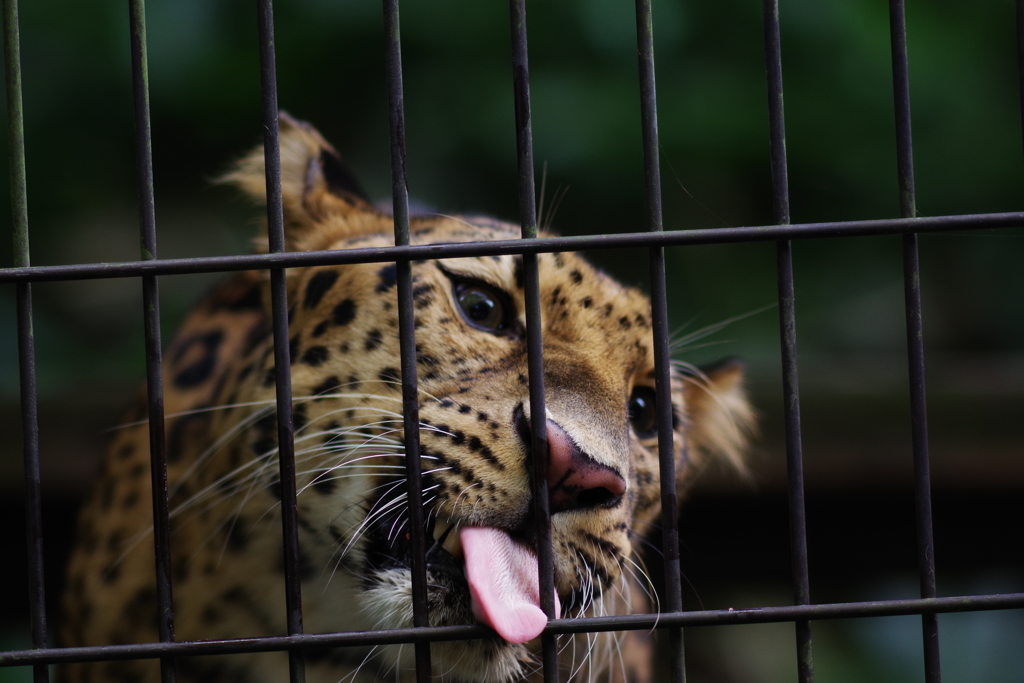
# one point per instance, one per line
(767, 233)
(633, 622)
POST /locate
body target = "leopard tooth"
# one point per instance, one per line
(441, 528)
(453, 544)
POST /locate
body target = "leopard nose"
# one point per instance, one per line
(575, 480)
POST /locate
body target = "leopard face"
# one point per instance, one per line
(474, 430)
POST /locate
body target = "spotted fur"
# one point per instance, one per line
(220, 378)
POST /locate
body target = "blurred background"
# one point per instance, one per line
(969, 158)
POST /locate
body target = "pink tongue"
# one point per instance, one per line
(503, 584)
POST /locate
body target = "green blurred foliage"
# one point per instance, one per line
(461, 150)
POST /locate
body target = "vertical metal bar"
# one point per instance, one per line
(26, 336)
(915, 336)
(1020, 55)
(794, 455)
(672, 601)
(282, 356)
(787, 324)
(776, 112)
(901, 97)
(407, 333)
(534, 333)
(151, 314)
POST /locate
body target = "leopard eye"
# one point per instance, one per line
(482, 306)
(643, 412)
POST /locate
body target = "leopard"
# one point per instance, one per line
(354, 548)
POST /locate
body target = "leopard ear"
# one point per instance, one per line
(720, 419)
(316, 185)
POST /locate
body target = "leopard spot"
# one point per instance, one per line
(185, 430)
(251, 300)
(256, 335)
(319, 285)
(344, 312)
(200, 369)
(325, 484)
(373, 340)
(331, 385)
(388, 277)
(299, 416)
(315, 355)
(211, 615)
(518, 272)
(111, 573)
(319, 330)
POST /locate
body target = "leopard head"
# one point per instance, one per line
(475, 424)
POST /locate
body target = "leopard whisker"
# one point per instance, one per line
(216, 445)
(231, 433)
(591, 641)
(220, 483)
(635, 567)
(391, 534)
(464, 491)
(355, 672)
(374, 515)
(356, 463)
(365, 500)
(676, 342)
(262, 463)
(185, 413)
(320, 479)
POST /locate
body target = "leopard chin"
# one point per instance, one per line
(387, 601)
(584, 657)
(389, 604)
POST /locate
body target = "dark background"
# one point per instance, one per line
(714, 139)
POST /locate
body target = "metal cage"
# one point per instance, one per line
(672, 619)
